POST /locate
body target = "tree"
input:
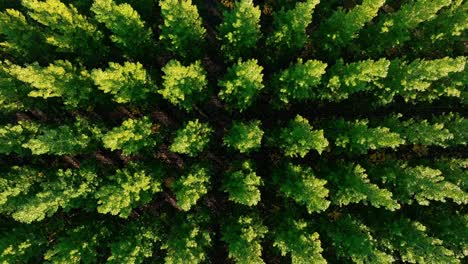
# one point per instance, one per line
(128, 188)
(184, 86)
(297, 83)
(299, 183)
(242, 84)
(242, 183)
(132, 136)
(352, 185)
(457, 125)
(182, 32)
(357, 137)
(298, 138)
(59, 79)
(129, 32)
(244, 236)
(289, 29)
(192, 139)
(347, 79)
(21, 243)
(127, 83)
(192, 186)
(240, 30)
(292, 236)
(13, 136)
(66, 29)
(244, 136)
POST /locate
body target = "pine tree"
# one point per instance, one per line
(188, 240)
(128, 188)
(243, 236)
(353, 240)
(244, 136)
(192, 139)
(298, 82)
(352, 185)
(66, 29)
(394, 29)
(59, 79)
(457, 125)
(347, 79)
(184, 86)
(182, 32)
(298, 138)
(127, 83)
(293, 237)
(240, 30)
(289, 29)
(242, 183)
(342, 27)
(190, 187)
(242, 84)
(299, 183)
(358, 138)
(132, 136)
(129, 32)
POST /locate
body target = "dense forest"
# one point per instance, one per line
(233, 131)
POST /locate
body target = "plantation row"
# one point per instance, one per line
(276, 131)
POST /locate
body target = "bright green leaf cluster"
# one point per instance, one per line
(192, 139)
(244, 136)
(242, 184)
(190, 187)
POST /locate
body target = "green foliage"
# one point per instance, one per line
(242, 84)
(289, 29)
(357, 137)
(59, 79)
(298, 82)
(299, 183)
(184, 86)
(244, 136)
(353, 186)
(353, 240)
(127, 83)
(13, 136)
(192, 139)
(242, 184)
(65, 28)
(240, 30)
(243, 236)
(421, 184)
(128, 188)
(292, 236)
(182, 32)
(190, 187)
(457, 125)
(21, 244)
(298, 138)
(347, 79)
(132, 136)
(188, 240)
(129, 32)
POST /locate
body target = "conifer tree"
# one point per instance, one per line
(190, 187)
(66, 29)
(182, 32)
(12, 137)
(293, 237)
(240, 30)
(297, 83)
(242, 84)
(242, 183)
(457, 125)
(14, 94)
(192, 139)
(289, 29)
(59, 79)
(132, 136)
(244, 136)
(243, 236)
(127, 83)
(342, 27)
(454, 170)
(184, 86)
(298, 138)
(347, 79)
(299, 183)
(129, 187)
(129, 32)
(21, 243)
